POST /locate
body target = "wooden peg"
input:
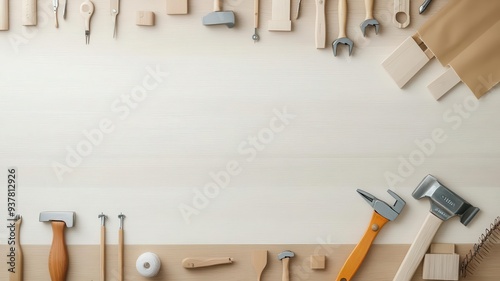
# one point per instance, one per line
(318, 262)
(145, 18)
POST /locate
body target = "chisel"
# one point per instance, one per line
(29, 12)
(4, 14)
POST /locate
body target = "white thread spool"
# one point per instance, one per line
(148, 264)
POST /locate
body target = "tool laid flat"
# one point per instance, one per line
(382, 214)
(320, 31)
(205, 261)
(86, 10)
(55, 6)
(115, 10)
(18, 274)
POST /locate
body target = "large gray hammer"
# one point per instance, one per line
(58, 256)
(218, 17)
(445, 204)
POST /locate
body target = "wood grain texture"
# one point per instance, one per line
(381, 263)
(418, 248)
(177, 7)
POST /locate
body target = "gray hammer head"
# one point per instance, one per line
(67, 217)
(286, 255)
(444, 202)
(218, 18)
(369, 22)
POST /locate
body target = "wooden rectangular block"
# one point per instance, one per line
(442, 248)
(318, 262)
(145, 18)
(406, 61)
(441, 267)
(177, 7)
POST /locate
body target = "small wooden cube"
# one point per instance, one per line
(177, 7)
(318, 262)
(145, 18)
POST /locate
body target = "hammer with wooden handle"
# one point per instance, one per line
(284, 257)
(58, 256)
(445, 204)
(382, 213)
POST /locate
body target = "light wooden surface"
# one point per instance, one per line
(177, 7)
(351, 127)
(29, 12)
(280, 19)
(380, 264)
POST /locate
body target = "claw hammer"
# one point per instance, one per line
(58, 256)
(383, 213)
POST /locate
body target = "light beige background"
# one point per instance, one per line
(350, 128)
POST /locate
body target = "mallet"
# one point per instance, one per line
(58, 256)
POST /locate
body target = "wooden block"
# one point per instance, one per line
(406, 61)
(177, 7)
(280, 17)
(318, 262)
(441, 267)
(442, 248)
(442, 263)
(4, 14)
(443, 83)
(145, 18)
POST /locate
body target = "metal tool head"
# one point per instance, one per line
(345, 41)
(384, 209)
(369, 22)
(67, 217)
(445, 204)
(218, 18)
(286, 255)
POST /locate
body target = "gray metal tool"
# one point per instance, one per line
(284, 257)
(424, 6)
(58, 256)
(369, 19)
(342, 38)
(218, 17)
(382, 214)
(445, 204)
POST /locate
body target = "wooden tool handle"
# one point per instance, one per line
(4, 14)
(342, 18)
(58, 257)
(256, 13)
(320, 30)
(120, 254)
(286, 272)
(103, 253)
(217, 6)
(401, 7)
(357, 256)
(202, 262)
(369, 9)
(418, 248)
(18, 274)
(29, 8)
